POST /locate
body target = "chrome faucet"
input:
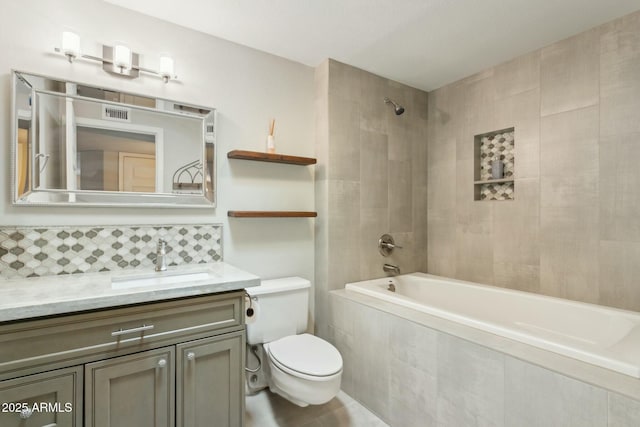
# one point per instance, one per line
(390, 268)
(161, 255)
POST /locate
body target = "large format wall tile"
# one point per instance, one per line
(569, 73)
(619, 189)
(400, 193)
(344, 135)
(470, 384)
(374, 173)
(516, 226)
(474, 257)
(522, 112)
(623, 412)
(619, 83)
(569, 168)
(575, 107)
(413, 374)
(372, 376)
(372, 220)
(519, 75)
(344, 232)
(441, 243)
(537, 397)
(619, 271)
(569, 267)
(45, 251)
(376, 164)
(569, 143)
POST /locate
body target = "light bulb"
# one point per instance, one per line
(70, 45)
(166, 67)
(122, 57)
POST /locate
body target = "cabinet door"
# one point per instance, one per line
(210, 381)
(49, 399)
(135, 390)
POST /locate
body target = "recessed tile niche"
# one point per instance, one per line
(489, 147)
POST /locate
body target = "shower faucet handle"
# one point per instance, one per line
(390, 245)
(386, 245)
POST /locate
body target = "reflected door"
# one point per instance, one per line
(137, 172)
(23, 164)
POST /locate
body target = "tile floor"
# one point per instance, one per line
(266, 409)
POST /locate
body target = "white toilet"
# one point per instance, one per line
(303, 369)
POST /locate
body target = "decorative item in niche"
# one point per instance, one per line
(47, 251)
(494, 164)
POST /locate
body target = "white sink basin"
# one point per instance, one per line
(160, 278)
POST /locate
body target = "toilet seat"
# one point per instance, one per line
(305, 356)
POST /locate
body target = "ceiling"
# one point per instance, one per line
(422, 43)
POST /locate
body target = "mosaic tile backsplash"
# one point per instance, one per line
(46, 251)
(500, 145)
(497, 145)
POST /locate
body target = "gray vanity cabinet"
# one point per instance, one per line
(172, 363)
(209, 381)
(135, 390)
(49, 399)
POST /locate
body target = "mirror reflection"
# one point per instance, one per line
(81, 145)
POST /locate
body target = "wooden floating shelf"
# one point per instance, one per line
(272, 214)
(269, 157)
(494, 181)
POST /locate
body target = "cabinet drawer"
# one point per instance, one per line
(107, 333)
(50, 398)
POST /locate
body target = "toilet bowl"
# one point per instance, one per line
(298, 366)
(304, 369)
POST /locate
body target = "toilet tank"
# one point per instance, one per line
(282, 308)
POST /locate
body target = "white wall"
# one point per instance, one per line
(246, 86)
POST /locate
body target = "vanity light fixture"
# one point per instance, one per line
(119, 59)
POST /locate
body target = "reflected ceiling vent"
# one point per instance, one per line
(109, 112)
(210, 132)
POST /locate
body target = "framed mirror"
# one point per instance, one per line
(80, 145)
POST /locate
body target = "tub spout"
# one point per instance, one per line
(390, 268)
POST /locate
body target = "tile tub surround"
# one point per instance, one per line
(370, 178)
(412, 369)
(572, 230)
(46, 251)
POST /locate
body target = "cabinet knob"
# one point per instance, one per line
(191, 355)
(162, 363)
(26, 413)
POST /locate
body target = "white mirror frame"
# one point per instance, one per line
(65, 197)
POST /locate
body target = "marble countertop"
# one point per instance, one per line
(22, 299)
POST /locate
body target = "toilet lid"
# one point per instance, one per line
(306, 354)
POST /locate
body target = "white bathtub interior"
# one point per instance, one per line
(606, 337)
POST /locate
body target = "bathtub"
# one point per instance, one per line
(606, 337)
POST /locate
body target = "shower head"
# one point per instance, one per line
(397, 107)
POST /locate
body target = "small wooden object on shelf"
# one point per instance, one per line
(270, 157)
(272, 214)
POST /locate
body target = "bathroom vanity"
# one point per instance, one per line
(140, 350)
